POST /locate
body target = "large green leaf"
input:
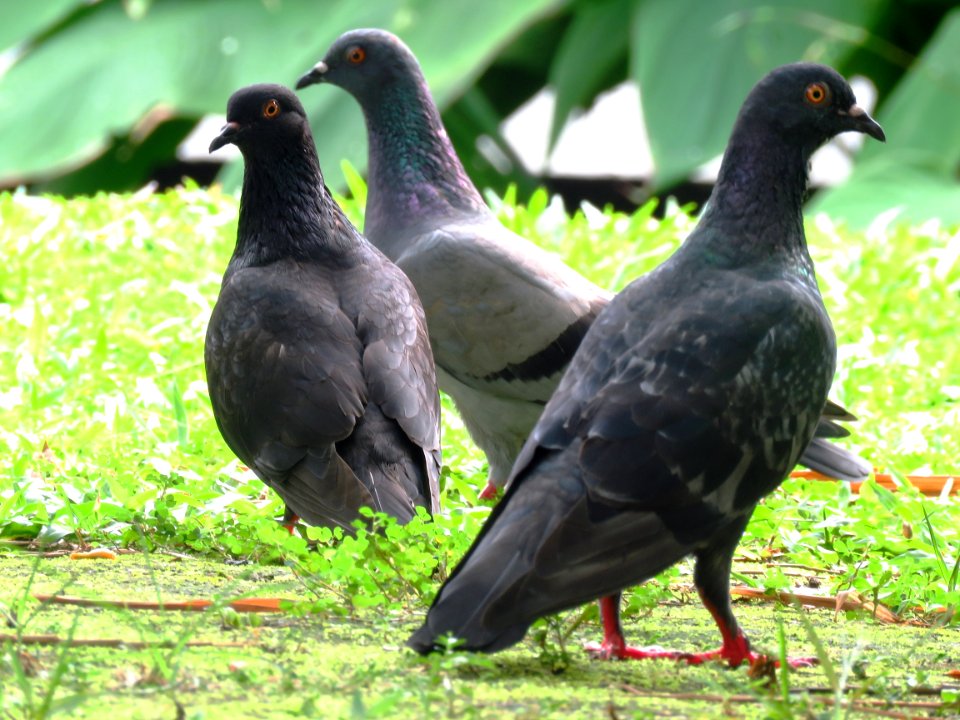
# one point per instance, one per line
(592, 46)
(695, 62)
(21, 21)
(916, 171)
(104, 72)
(883, 184)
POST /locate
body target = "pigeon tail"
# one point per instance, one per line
(545, 548)
(392, 468)
(321, 489)
(831, 460)
(478, 605)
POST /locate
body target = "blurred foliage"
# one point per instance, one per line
(112, 87)
(107, 436)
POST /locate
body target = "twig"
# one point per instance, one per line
(251, 605)
(112, 642)
(762, 571)
(792, 566)
(847, 600)
(929, 485)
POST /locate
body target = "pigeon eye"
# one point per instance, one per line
(356, 54)
(271, 108)
(817, 93)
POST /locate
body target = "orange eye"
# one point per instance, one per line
(356, 54)
(817, 93)
(271, 108)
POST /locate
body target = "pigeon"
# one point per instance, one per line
(318, 361)
(691, 397)
(505, 317)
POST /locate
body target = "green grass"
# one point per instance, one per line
(106, 437)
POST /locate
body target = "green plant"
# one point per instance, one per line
(134, 89)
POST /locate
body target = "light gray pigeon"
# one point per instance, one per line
(504, 316)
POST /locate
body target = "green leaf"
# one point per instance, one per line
(696, 61)
(20, 22)
(355, 183)
(916, 171)
(184, 58)
(592, 46)
(890, 183)
(180, 414)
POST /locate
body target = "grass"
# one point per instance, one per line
(107, 438)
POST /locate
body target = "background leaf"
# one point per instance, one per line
(695, 63)
(918, 170)
(594, 44)
(187, 56)
(20, 22)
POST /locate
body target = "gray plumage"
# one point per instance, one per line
(692, 396)
(318, 362)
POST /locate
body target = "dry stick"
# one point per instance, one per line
(254, 605)
(796, 566)
(112, 642)
(867, 705)
(764, 571)
(848, 600)
(929, 485)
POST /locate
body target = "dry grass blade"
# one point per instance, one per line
(112, 642)
(250, 605)
(929, 485)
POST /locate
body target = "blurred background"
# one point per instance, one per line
(610, 101)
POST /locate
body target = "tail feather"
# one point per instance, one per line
(543, 551)
(391, 467)
(830, 459)
(323, 490)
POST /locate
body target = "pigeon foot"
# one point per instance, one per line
(290, 520)
(733, 653)
(490, 492)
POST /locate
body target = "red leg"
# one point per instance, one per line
(712, 578)
(736, 647)
(490, 492)
(290, 520)
(614, 646)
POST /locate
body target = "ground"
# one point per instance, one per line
(320, 665)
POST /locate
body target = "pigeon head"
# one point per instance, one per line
(262, 117)
(362, 62)
(807, 104)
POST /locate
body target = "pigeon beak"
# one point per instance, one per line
(316, 75)
(228, 134)
(861, 122)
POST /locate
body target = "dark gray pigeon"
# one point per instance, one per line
(504, 316)
(317, 356)
(690, 399)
